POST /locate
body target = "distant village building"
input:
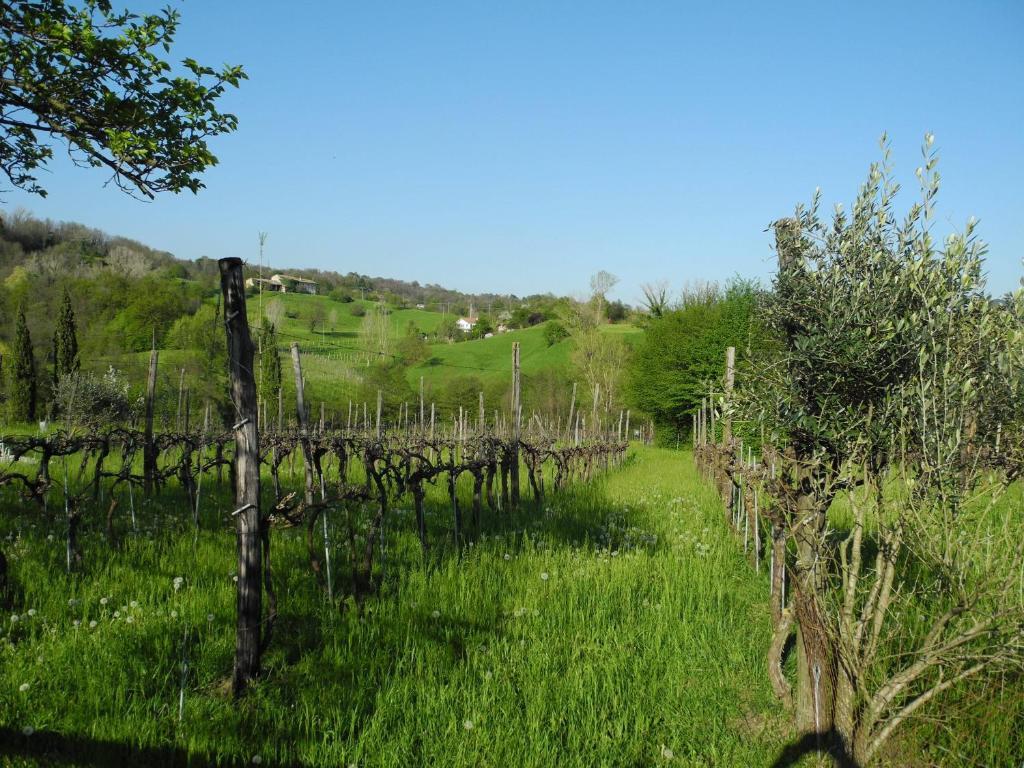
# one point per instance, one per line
(283, 284)
(465, 323)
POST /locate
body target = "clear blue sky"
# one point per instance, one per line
(520, 147)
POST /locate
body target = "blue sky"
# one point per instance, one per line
(520, 147)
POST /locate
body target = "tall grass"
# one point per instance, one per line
(617, 625)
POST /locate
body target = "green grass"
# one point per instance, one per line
(491, 359)
(647, 635)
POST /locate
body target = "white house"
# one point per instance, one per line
(465, 323)
(283, 284)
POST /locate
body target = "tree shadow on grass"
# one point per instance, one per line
(49, 748)
(829, 744)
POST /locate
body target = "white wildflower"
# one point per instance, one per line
(667, 753)
(92, 624)
(468, 725)
(24, 687)
(436, 614)
(544, 576)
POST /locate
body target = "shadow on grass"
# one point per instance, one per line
(829, 744)
(48, 748)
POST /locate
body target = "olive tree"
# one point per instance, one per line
(890, 417)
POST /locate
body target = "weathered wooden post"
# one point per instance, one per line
(727, 487)
(517, 408)
(149, 450)
(249, 594)
(300, 412)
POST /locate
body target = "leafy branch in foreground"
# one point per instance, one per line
(90, 77)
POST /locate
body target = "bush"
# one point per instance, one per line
(554, 332)
(85, 399)
(358, 310)
(340, 295)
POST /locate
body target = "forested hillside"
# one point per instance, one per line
(358, 335)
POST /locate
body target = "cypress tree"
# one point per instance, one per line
(22, 388)
(65, 341)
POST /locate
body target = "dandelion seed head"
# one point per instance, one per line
(544, 576)
(92, 624)
(436, 614)
(28, 730)
(468, 725)
(31, 611)
(24, 687)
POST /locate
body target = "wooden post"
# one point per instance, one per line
(249, 592)
(300, 410)
(572, 407)
(730, 379)
(181, 398)
(728, 489)
(421, 405)
(149, 450)
(380, 403)
(517, 408)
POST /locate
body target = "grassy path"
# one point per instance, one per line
(620, 628)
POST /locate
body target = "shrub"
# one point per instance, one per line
(554, 332)
(89, 400)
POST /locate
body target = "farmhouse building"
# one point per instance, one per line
(465, 323)
(283, 284)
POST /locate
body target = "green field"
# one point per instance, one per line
(617, 626)
(333, 362)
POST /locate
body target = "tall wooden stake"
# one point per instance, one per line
(300, 411)
(149, 450)
(249, 594)
(517, 412)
